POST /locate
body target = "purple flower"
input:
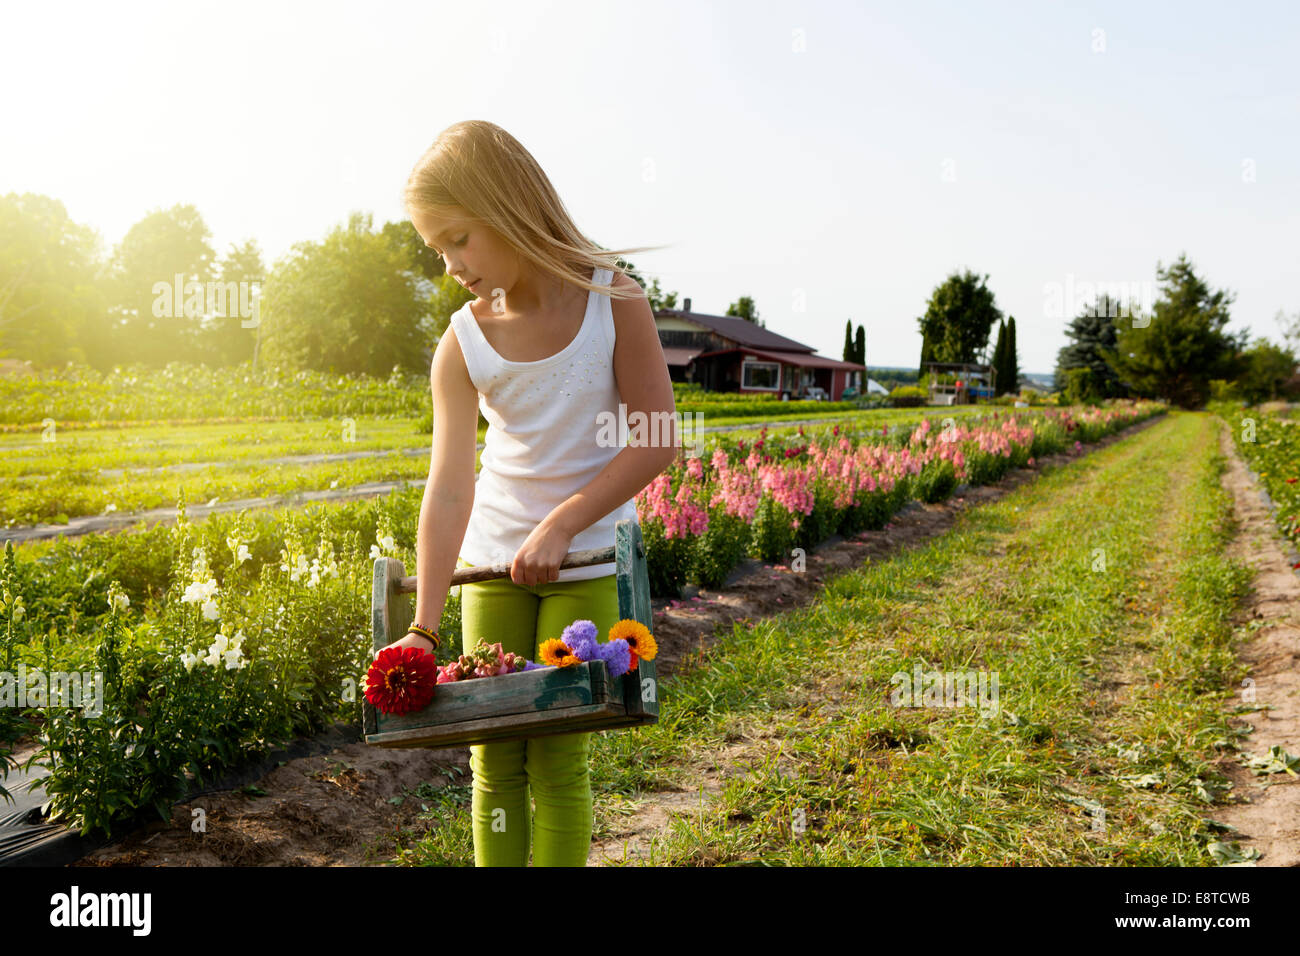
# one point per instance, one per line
(580, 636)
(616, 655)
(530, 666)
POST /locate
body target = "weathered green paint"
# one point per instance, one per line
(528, 704)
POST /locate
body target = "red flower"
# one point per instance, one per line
(401, 680)
(1290, 481)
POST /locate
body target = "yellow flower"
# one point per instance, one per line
(557, 654)
(638, 638)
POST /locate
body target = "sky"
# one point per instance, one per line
(833, 161)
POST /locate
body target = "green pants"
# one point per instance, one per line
(554, 767)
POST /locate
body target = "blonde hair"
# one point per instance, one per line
(478, 167)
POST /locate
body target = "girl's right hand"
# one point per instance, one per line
(411, 640)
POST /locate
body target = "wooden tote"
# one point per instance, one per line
(553, 700)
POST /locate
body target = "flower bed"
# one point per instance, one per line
(699, 520)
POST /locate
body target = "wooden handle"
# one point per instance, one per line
(490, 572)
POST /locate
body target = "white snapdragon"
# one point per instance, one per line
(14, 603)
(387, 545)
(200, 591)
(223, 650)
(239, 550)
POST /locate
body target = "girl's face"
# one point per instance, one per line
(472, 253)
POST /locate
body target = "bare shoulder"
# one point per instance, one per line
(634, 310)
(449, 371)
(625, 282)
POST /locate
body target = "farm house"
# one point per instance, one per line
(725, 353)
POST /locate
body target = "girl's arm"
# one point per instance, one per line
(644, 386)
(449, 492)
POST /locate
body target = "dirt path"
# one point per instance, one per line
(335, 809)
(1268, 816)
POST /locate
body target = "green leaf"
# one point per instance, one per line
(1230, 854)
(1277, 760)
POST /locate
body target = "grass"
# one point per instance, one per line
(1100, 597)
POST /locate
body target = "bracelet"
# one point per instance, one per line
(426, 632)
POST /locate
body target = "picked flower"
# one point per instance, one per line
(558, 654)
(580, 636)
(640, 641)
(617, 656)
(401, 679)
(485, 660)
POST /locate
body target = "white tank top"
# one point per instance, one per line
(544, 437)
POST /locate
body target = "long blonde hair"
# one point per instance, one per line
(478, 167)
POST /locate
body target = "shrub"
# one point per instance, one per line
(936, 481)
(907, 396)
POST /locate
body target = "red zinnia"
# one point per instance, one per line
(401, 680)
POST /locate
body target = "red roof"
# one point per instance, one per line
(797, 359)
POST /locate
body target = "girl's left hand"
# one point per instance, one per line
(538, 559)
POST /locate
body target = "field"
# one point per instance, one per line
(970, 636)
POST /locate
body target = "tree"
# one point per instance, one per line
(1009, 373)
(999, 357)
(1290, 327)
(1182, 346)
(230, 337)
(423, 260)
(349, 304)
(744, 308)
(1093, 332)
(855, 347)
(159, 312)
(958, 318)
(52, 307)
(1266, 370)
(927, 353)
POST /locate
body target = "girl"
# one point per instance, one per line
(556, 338)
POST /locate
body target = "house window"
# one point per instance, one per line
(760, 375)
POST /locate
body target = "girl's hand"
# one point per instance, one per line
(538, 560)
(410, 640)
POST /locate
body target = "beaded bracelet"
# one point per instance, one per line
(426, 632)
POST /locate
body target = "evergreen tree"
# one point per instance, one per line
(1093, 332)
(1183, 345)
(1011, 366)
(999, 357)
(861, 350)
(848, 340)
